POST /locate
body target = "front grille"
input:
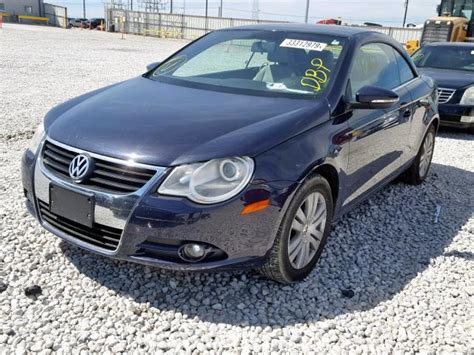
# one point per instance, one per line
(107, 176)
(445, 95)
(99, 235)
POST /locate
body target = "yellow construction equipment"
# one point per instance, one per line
(454, 23)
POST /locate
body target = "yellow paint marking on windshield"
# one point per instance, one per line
(316, 76)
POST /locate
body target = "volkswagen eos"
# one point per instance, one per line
(240, 150)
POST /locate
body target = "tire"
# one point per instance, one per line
(420, 168)
(281, 265)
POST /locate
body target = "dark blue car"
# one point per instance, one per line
(451, 65)
(240, 150)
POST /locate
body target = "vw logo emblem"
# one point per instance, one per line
(80, 167)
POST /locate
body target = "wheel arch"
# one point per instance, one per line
(436, 122)
(330, 173)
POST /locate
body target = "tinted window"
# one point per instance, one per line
(406, 74)
(444, 57)
(375, 64)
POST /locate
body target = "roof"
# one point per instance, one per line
(450, 44)
(342, 31)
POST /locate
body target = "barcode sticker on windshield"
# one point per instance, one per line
(307, 45)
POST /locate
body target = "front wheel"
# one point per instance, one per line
(418, 171)
(302, 234)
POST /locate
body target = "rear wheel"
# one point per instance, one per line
(418, 171)
(302, 234)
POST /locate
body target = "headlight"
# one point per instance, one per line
(468, 97)
(211, 182)
(37, 138)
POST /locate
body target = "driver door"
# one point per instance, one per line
(378, 136)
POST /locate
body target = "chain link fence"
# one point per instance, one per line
(169, 25)
(191, 27)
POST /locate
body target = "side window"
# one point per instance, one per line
(29, 10)
(375, 64)
(406, 73)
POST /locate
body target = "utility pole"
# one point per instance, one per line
(220, 9)
(406, 12)
(171, 7)
(207, 19)
(255, 9)
(84, 8)
(131, 5)
(307, 11)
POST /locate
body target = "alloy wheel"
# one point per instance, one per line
(307, 230)
(426, 153)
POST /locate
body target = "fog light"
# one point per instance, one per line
(193, 252)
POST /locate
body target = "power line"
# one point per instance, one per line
(255, 11)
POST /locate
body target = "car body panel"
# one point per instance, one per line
(423, 107)
(289, 139)
(448, 78)
(451, 112)
(164, 122)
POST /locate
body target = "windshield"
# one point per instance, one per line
(455, 57)
(256, 62)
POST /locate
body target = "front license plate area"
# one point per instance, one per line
(77, 207)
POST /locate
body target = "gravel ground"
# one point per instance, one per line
(390, 279)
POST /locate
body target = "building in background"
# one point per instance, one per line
(22, 7)
(33, 11)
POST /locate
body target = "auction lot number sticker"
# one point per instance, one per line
(307, 45)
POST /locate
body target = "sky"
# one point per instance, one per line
(388, 12)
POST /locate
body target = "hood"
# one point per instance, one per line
(448, 78)
(163, 124)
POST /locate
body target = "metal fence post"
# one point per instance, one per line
(192, 26)
(159, 24)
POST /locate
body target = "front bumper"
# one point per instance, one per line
(455, 115)
(151, 228)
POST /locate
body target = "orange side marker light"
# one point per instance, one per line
(255, 207)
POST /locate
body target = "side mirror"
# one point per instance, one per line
(152, 66)
(374, 97)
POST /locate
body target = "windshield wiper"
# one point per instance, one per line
(283, 87)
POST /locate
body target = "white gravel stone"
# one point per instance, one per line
(412, 279)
